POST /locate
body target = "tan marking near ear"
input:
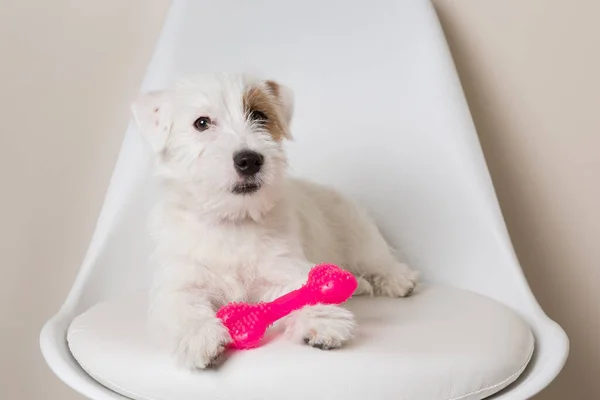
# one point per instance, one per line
(257, 98)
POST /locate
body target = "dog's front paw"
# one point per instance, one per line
(400, 283)
(322, 326)
(200, 346)
(364, 287)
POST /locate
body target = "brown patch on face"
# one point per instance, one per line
(265, 100)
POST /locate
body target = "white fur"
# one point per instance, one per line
(214, 246)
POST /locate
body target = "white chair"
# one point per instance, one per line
(374, 78)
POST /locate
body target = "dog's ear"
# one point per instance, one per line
(285, 100)
(152, 113)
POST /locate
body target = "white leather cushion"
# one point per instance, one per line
(442, 343)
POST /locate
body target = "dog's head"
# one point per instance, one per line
(218, 141)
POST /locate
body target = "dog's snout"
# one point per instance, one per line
(248, 162)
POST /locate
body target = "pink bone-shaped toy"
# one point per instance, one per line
(247, 323)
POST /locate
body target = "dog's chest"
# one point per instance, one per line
(237, 249)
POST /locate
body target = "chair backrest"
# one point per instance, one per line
(380, 115)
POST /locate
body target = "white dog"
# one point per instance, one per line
(232, 227)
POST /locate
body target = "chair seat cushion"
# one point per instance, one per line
(442, 343)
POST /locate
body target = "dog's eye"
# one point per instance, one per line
(258, 116)
(202, 124)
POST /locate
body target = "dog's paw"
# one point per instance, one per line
(322, 326)
(401, 283)
(201, 346)
(364, 287)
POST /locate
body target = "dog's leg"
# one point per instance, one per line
(392, 279)
(364, 287)
(387, 275)
(194, 333)
(374, 261)
(321, 326)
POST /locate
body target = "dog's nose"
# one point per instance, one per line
(248, 162)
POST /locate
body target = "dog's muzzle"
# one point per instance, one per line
(247, 187)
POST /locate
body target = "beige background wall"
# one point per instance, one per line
(531, 73)
(68, 69)
(530, 69)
